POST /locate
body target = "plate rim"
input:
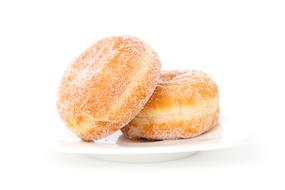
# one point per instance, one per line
(80, 147)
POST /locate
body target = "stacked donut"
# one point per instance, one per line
(117, 84)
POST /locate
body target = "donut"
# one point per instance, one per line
(107, 86)
(184, 104)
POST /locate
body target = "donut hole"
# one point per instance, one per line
(166, 77)
(174, 77)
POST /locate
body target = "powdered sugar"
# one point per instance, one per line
(185, 104)
(107, 85)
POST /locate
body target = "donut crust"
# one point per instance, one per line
(185, 104)
(107, 86)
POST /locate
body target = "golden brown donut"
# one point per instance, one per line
(107, 86)
(185, 104)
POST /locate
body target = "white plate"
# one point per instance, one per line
(117, 148)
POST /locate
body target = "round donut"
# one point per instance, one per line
(185, 104)
(107, 86)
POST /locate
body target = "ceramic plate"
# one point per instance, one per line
(118, 148)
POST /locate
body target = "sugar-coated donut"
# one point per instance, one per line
(185, 104)
(107, 86)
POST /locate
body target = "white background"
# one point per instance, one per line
(240, 43)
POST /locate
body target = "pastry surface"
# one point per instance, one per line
(185, 104)
(107, 86)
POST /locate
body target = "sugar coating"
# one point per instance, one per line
(107, 85)
(185, 104)
(196, 84)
